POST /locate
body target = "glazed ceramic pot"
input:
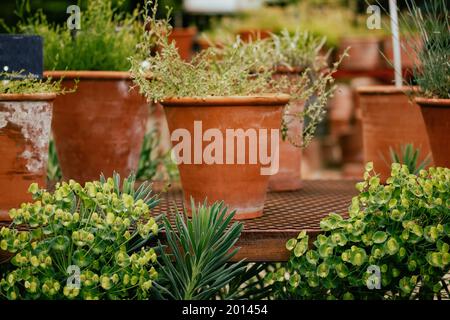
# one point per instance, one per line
(25, 123)
(184, 41)
(288, 177)
(228, 173)
(100, 127)
(436, 115)
(390, 119)
(364, 53)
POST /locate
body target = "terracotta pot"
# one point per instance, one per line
(242, 187)
(390, 119)
(436, 115)
(25, 122)
(364, 53)
(184, 40)
(288, 177)
(99, 128)
(408, 47)
(253, 34)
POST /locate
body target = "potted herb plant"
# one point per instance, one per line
(298, 59)
(100, 127)
(432, 74)
(25, 122)
(204, 99)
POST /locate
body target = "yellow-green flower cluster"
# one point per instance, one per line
(92, 230)
(401, 228)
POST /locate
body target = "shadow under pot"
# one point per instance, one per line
(100, 127)
(25, 123)
(390, 120)
(226, 148)
(436, 114)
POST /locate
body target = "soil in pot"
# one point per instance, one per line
(436, 115)
(390, 119)
(184, 41)
(364, 53)
(213, 163)
(25, 123)
(100, 127)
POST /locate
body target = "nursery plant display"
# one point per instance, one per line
(100, 127)
(400, 229)
(432, 73)
(382, 107)
(95, 234)
(25, 121)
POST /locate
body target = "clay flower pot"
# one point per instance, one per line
(436, 114)
(253, 34)
(25, 123)
(239, 182)
(390, 119)
(408, 47)
(364, 53)
(100, 127)
(184, 41)
(288, 177)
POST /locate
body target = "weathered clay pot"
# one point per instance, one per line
(364, 53)
(25, 123)
(436, 115)
(253, 34)
(288, 177)
(390, 119)
(100, 127)
(242, 186)
(184, 40)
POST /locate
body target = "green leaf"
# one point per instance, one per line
(379, 237)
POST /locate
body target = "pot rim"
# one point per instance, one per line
(27, 96)
(237, 101)
(88, 75)
(432, 102)
(385, 89)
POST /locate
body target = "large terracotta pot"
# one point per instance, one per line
(184, 40)
(99, 128)
(364, 53)
(436, 114)
(25, 122)
(390, 119)
(241, 186)
(288, 177)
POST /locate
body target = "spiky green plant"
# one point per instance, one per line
(409, 156)
(194, 265)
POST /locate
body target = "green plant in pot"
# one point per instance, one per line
(220, 89)
(100, 127)
(25, 120)
(393, 243)
(82, 242)
(298, 58)
(432, 73)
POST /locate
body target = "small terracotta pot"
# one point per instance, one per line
(25, 123)
(390, 119)
(436, 114)
(184, 40)
(241, 186)
(408, 47)
(364, 53)
(253, 34)
(288, 177)
(100, 127)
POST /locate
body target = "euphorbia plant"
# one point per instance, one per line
(81, 242)
(401, 229)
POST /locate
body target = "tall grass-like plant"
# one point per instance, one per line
(432, 22)
(105, 41)
(194, 265)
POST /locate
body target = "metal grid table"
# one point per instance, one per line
(285, 215)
